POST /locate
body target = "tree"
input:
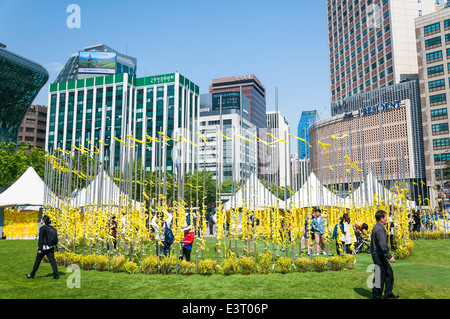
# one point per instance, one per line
(15, 160)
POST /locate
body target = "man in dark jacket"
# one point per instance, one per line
(44, 249)
(384, 276)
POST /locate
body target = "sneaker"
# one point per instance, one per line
(29, 276)
(317, 254)
(325, 253)
(55, 277)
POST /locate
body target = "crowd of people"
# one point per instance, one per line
(426, 220)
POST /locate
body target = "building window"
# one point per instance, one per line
(436, 85)
(438, 99)
(447, 24)
(440, 114)
(432, 28)
(441, 157)
(438, 129)
(433, 43)
(435, 70)
(434, 56)
(441, 144)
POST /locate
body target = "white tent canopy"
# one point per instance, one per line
(255, 196)
(28, 190)
(101, 191)
(314, 194)
(372, 190)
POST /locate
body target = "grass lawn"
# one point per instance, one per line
(424, 275)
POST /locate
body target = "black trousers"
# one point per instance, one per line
(187, 253)
(383, 277)
(50, 253)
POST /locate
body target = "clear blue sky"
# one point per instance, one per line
(284, 42)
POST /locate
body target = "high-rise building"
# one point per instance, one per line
(433, 56)
(112, 62)
(372, 44)
(224, 118)
(252, 88)
(306, 120)
(277, 168)
(381, 134)
(20, 82)
(105, 111)
(33, 127)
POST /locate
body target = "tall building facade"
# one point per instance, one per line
(381, 134)
(224, 126)
(33, 128)
(371, 45)
(433, 56)
(252, 88)
(306, 120)
(20, 81)
(105, 111)
(277, 168)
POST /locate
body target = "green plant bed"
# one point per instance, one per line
(423, 275)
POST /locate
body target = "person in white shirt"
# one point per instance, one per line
(160, 240)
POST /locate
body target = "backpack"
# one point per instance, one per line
(335, 231)
(52, 236)
(168, 235)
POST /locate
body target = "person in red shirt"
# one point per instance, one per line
(186, 244)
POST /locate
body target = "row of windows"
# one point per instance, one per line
(438, 128)
(438, 113)
(438, 99)
(441, 157)
(435, 27)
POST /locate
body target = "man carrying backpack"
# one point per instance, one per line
(48, 239)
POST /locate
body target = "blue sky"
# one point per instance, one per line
(284, 42)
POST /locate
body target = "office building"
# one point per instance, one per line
(104, 111)
(277, 168)
(306, 120)
(433, 57)
(372, 44)
(20, 81)
(381, 133)
(224, 126)
(32, 130)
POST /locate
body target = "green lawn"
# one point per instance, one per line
(424, 275)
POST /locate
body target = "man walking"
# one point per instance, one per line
(46, 247)
(384, 275)
(319, 231)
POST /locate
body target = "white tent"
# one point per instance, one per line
(101, 191)
(373, 190)
(255, 196)
(28, 190)
(314, 194)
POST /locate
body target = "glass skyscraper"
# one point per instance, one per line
(20, 82)
(306, 120)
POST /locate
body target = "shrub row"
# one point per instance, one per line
(229, 266)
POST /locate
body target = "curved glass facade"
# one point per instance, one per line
(20, 82)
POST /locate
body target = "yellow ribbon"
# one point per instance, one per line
(228, 138)
(301, 139)
(326, 151)
(336, 137)
(351, 163)
(242, 138)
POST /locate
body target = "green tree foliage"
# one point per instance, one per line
(15, 160)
